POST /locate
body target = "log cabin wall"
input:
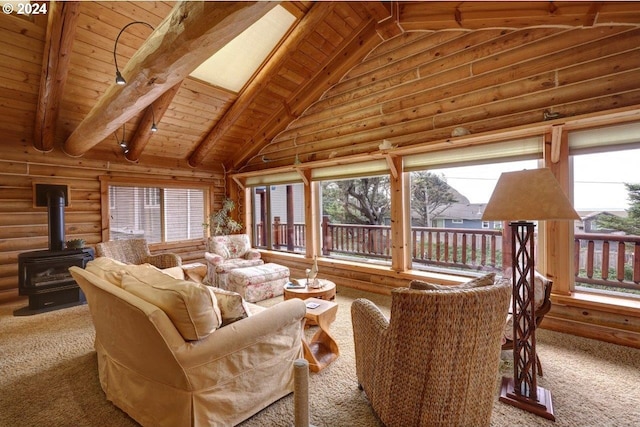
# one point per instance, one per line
(417, 87)
(24, 228)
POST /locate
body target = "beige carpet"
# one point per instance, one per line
(48, 377)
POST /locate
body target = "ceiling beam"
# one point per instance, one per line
(61, 28)
(152, 115)
(190, 34)
(305, 27)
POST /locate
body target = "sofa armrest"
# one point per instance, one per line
(274, 333)
(252, 254)
(213, 259)
(167, 260)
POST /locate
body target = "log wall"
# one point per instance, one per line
(24, 227)
(418, 87)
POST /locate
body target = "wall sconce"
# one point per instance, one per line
(119, 79)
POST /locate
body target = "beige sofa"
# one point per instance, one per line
(217, 376)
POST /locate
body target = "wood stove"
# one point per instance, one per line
(44, 275)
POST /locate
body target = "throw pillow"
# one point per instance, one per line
(190, 306)
(485, 280)
(232, 306)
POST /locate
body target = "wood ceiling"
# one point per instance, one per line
(57, 91)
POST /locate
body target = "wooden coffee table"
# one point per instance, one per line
(322, 349)
(326, 292)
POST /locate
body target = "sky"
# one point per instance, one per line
(599, 179)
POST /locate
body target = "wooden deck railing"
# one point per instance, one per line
(607, 260)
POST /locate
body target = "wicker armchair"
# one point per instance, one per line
(435, 362)
(136, 251)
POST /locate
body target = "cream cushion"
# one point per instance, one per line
(486, 280)
(108, 269)
(192, 307)
(112, 270)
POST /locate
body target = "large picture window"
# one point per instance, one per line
(156, 214)
(356, 217)
(279, 219)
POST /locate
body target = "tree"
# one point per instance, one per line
(631, 224)
(357, 201)
(430, 196)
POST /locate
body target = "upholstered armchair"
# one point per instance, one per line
(226, 253)
(136, 251)
(436, 360)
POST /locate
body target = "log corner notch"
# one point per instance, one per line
(189, 35)
(61, 28)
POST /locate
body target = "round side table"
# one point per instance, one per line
(326, 292)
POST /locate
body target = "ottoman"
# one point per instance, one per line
(259, 282)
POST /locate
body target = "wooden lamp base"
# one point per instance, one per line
(543, 407)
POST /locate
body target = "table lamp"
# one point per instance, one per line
(520, 197)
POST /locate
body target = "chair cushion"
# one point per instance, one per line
(486, 280)
(108, 269)
(232, 306)
(230, 246)
(191, 306)
(235, 263)
(540, 284)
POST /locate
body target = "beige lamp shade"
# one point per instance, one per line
(528, 195)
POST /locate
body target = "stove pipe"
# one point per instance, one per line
(55, 210)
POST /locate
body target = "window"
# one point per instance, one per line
(279, 221)
(447, 204)
(356, 217)
(156, 214)
(607, 198)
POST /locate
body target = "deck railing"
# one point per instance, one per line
(606, 260)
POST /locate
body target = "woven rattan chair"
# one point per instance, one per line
(436, 360)
(136, 251)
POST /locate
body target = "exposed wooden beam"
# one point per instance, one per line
(61, 29)
(152, 115)
(190, 34)
(304, 28)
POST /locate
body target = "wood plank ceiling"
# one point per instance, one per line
(57, 90)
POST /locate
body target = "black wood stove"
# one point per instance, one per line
(44, 275)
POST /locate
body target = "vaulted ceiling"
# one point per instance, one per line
(58, 93)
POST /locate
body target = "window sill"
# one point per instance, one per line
(607, 303)
(380, 270)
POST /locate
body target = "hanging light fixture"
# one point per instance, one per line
(122, 143)
(119, 79)
(154, 128)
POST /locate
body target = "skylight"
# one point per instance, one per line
(233, 65)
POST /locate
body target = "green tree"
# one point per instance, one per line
(357, 201)
(631, 224)
(430, 195)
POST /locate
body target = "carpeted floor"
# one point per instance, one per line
(48, 376)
